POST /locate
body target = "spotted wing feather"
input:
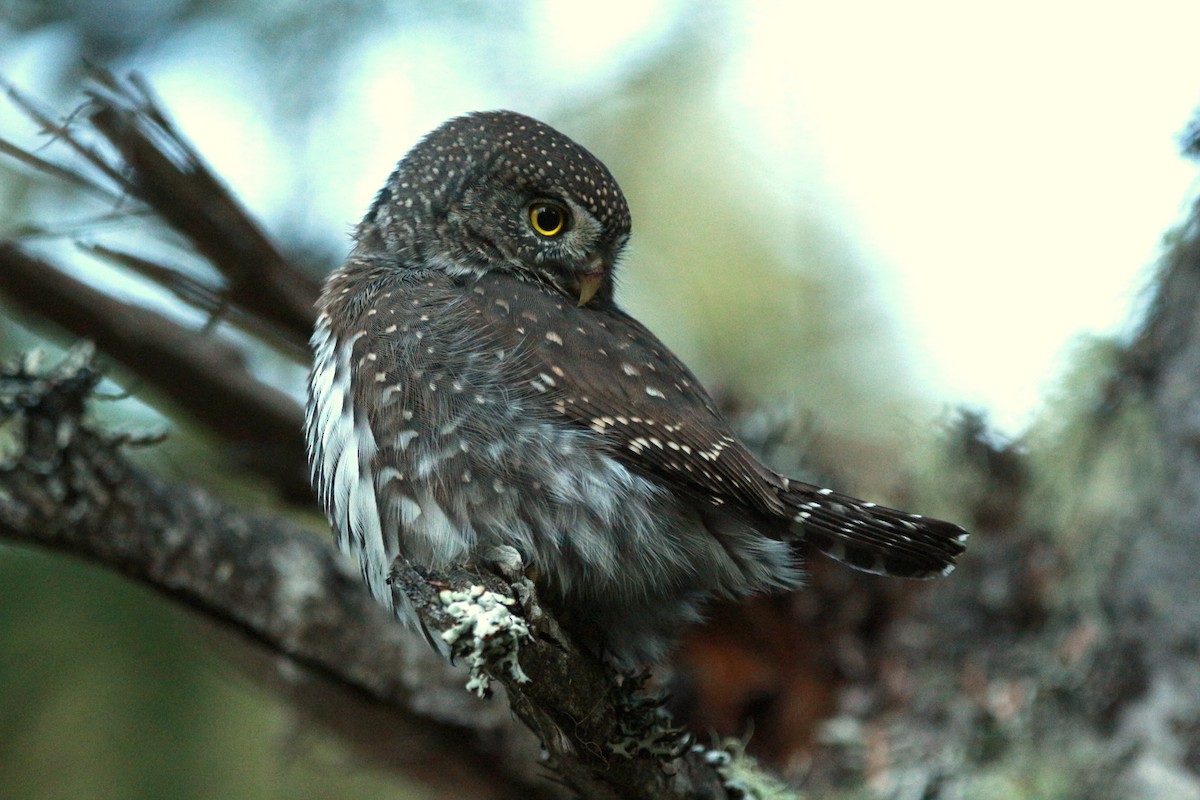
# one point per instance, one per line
(609, 373)
(871, 537)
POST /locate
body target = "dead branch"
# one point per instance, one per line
(201, 375)
(164, 171)
(284, 588)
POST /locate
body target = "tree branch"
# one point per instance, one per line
(602, 739)
(199, 373)
(165, 172)
(71, 489)
(266, 294)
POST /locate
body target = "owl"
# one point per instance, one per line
(476, 384)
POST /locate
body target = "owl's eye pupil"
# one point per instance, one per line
(548, 219)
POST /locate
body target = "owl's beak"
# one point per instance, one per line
(590, 281)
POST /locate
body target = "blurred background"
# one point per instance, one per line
(868, 213)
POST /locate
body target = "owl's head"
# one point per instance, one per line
(498, 190)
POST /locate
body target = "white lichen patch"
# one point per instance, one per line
(486, 635)
(741, 775)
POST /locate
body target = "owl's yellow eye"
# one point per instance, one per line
(548, 219)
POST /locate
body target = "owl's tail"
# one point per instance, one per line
(873, 538)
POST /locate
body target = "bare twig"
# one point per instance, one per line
(166, 173)
(206, 298)
(151, 161)
(63, 132)
(57, 171)
(202, 375)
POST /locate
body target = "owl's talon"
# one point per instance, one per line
(506, 560)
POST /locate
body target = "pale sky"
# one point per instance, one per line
(1013, 166)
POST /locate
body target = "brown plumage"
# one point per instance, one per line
(476, 384)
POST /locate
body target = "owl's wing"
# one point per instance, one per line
(604, 370)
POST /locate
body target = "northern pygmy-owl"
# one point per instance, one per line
(476, 384)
